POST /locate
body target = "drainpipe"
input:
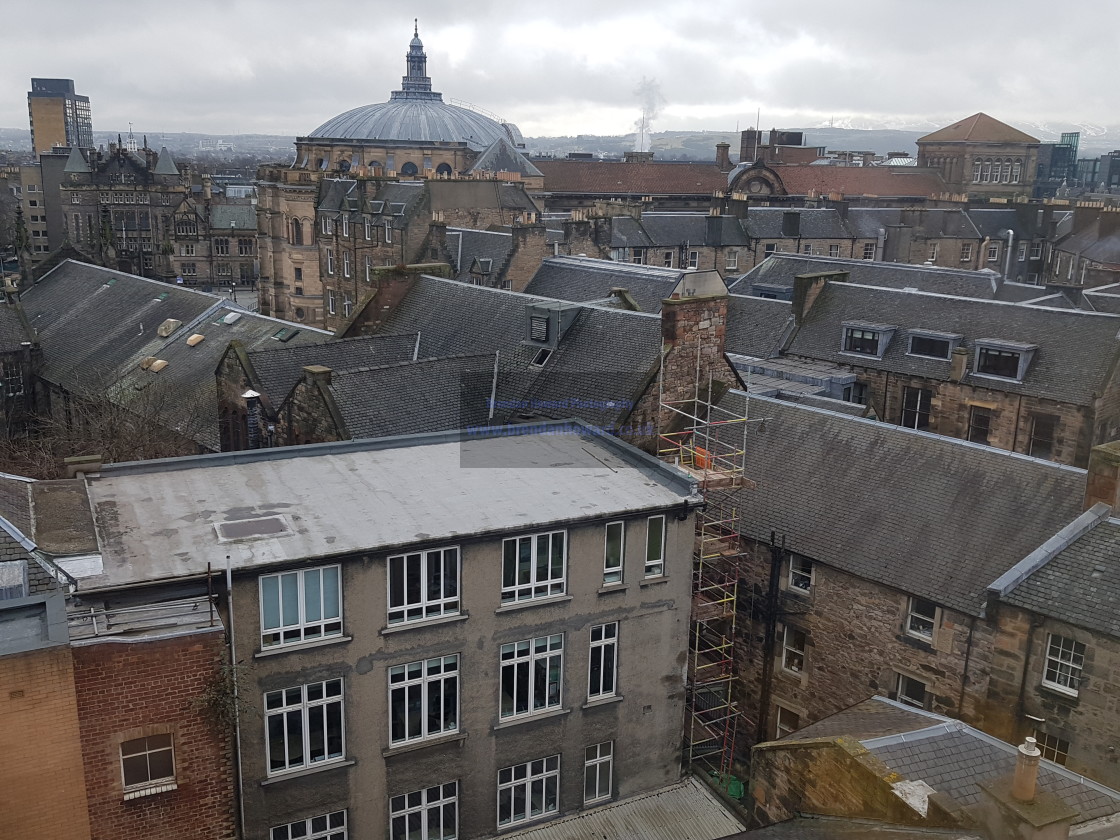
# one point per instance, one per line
(967, 659)
(236, 694)
(1007, 256)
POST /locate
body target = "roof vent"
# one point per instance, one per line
(157, 365)
(195, 339)
(240, 529)
(169, 326)
(285, 334)
(232, 318)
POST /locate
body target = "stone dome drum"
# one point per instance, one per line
(416, 114)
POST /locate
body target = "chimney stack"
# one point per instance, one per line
(958, 367)
(723, 157)
(1102, 484)
(1024, 785)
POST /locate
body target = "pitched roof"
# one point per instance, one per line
(1080, 584)
(893, 181)
(866, 222)
(951, 757)
(943, 527)
(781, 269)
(815, 223)
(602, 361)
(166, 164)
(91, 321)
(428, 395)
(979, 128)
(466, 245)
(755, 325)
(239, 217)
(14, 330)
(679, 229)
(279, 366)
(587, 279)
(501, 156)
(1075, 349)
(605, 177)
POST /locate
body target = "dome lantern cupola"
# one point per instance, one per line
(416, 79)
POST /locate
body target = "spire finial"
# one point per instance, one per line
(416, 27)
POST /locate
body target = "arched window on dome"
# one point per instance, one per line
(443, 170)
(409, 169)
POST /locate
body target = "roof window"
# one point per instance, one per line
(864, 339)
(240, 529)
(1002, 359)
(932, 345)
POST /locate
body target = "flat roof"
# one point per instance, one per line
(160, 520)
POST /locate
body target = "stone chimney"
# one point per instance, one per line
(958, 366)
(1016, 809)
(530, 247)
(317, 373)
(693, 329)
(207, 190)
(1102, 484)
(806, 288)
(723, 157)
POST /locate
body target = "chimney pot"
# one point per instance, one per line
(1025, 784)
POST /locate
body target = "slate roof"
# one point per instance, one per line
(241, 217)
(815, 223)
(676, 229)
(894, 181)
(1080, 584)
(466, 245)
(951, 757)
(15, 501)
(925, 514)
(187, 399)
(279, 366)
(781, 269)
(836, 828)
(955, 758)
(1076, 349)
(979, 128)
(755, 325)
(1091, 244)
(605, 357)
(428, 395)
(587, 279)
(501, 156)
(605, 177)
(91, 321)
(13, 331)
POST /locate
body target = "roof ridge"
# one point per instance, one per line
(406, 362)
(332, 342)
(1017, 304)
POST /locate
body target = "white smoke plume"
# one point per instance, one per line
(651, 101)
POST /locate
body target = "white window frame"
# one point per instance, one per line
(522, 663)
(731, 259)
(1064, 664)
(869, 250)
(347, 305)
(438, 592)
(330, 261)
(330, 826)
(966, 252)
(310, 703)
(1022, 255)
(345, 263)
(312, 617)
(1036, 250)
(331, 303)
(326, 226)
(800, 578)
(693, 260)
(598, 772)
(369, 268)
(415, 688)
(602, 662)
(655, 554)
(345, 225)
(921, 618)
(906, 699)
(1052, 747)
(388, 232)
(541, 777)
(993, 252)
(834, 250)
(793, 657)
(430, 807)
(521, 583)
(613, 565)
(147, 751)
(368, 229)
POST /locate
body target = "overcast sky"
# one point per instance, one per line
(574, 67)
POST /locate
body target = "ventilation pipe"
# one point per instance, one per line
(1007, 256)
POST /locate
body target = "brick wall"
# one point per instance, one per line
(42, 791)
(128, 691)
(530, 247)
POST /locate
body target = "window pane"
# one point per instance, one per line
(136, 770)
(312, 595)
(289, 593)
(160, 764)
(331, 593)
(270, 602)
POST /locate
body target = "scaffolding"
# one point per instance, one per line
(709, 442)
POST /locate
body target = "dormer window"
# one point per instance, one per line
(932, 345)
(1003, 359)
(866, 339)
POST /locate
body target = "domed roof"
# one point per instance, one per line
(416, 113)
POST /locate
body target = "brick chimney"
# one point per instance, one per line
(530, 247)
(723, 157)
(806, 288)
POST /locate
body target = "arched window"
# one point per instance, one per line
(374, 165)
(297, 232)
(987, 174)
(976, 164)
(409, 169)
(1006, 171)
(443, 169)
(1016, 170)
